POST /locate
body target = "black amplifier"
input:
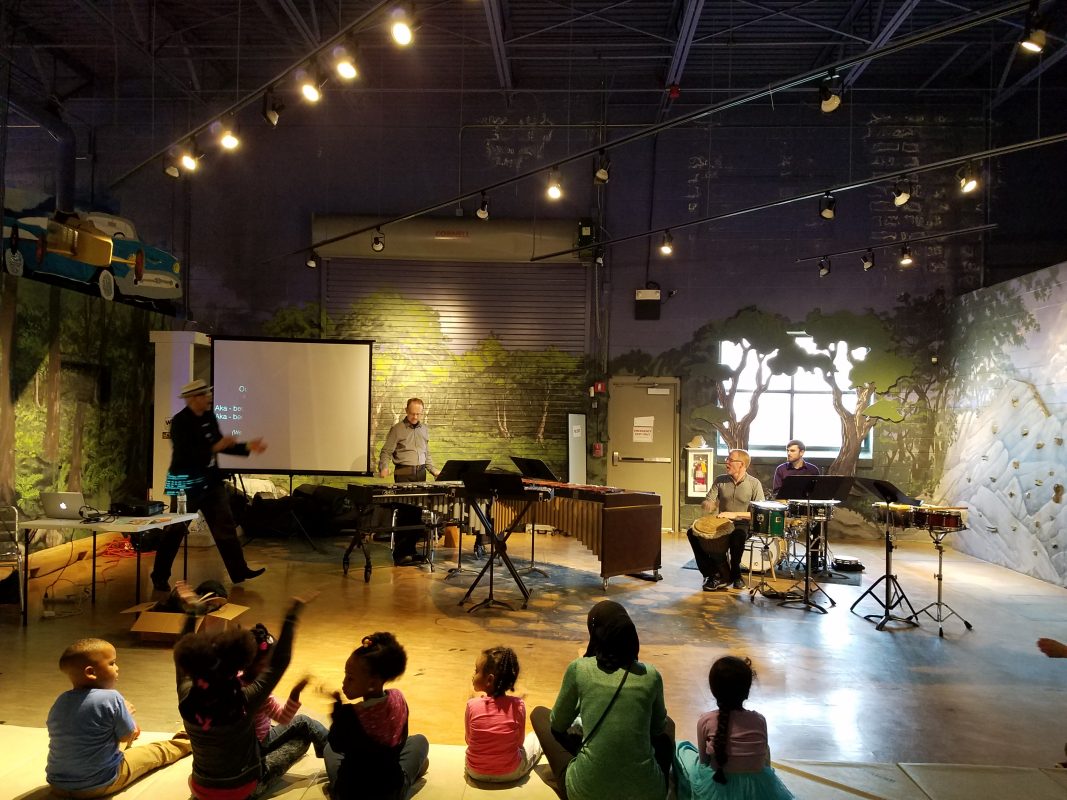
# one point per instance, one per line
(140, 508)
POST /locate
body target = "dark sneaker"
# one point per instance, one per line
(739, 584)
(712, 584)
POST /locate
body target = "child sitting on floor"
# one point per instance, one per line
(732, 760)
(88, 723)
(370, 753)
(498, 748)
(291, 726)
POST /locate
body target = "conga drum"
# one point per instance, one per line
(714, 534)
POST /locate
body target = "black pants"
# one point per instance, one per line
(214, 503)
(721, 557)
(405, 542)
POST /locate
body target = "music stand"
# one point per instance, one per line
(534, 468)
(491, 486)
(807, 488)
(456, 471)
(894, 592)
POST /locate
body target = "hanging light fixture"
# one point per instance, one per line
(968, 179)
(402, 25)
(225, 131)
(905, 256)
(344, 63)
(603, 168)
(666, 247)
(308, 80)
(170, 167)
(555, 188)
(827, 204)
(867, 259)
(313, 260)
(189, 159)
(824, 267)
(901, 192)
(1034, 38)
(272, 109)
(483, 209)
(829, 97)
(378, 242)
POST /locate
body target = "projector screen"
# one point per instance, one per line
(309, 400)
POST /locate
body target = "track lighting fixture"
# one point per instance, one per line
(824, 267)
(827, 204)
(483, 209)
(1034, 38)
(555, 188)
(603, 168)
(867, 260)
(901, 192)
(189, 159)
(829, 97)
(272, 109)
(378, 242)
(402, 25)
(968, 179)
(313, 260)
(226, 133)
(666, 247)
(344, 62)
(905, 256)
(307, 79)
(170, 166)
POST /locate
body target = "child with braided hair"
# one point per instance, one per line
(498, 748)
(733, 761)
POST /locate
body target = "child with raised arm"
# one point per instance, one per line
(370, 753)
(219, 711)
(498, 748)
(88, 724)
(291, 726)
(732, 760)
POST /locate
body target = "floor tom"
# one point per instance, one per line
(768, 518)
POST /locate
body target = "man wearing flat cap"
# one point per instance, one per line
(196, 442)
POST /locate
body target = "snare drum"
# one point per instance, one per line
(768, 519)
(819, 510)
(901, 515)
(949, 519)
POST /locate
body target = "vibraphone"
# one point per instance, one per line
(621, 527)
(436, 499)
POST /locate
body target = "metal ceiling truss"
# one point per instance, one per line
(883, 36)
(494, 19)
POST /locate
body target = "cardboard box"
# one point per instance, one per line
(167, 626)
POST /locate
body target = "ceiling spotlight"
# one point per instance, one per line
(555, 188)
(829, 98)
(310, 86)
(226, 133)
(827, 203)
(272, 109)
(968, 179)
(170, 167)
(824, 267)
(402, 25)
(189, 159)
(344, 62)
(603, 168)
(666, 247)
(867, 259)
(378, 243)
(1035, 39)
(483, 209)
(901, 192)
(905, 256)
(313, 260)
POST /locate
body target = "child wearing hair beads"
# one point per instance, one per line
(733, 761)
(291, 726)
(370, 754)
(495, 724)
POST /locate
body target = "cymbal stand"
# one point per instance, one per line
(938, 535)
(805, 600)
(894, 592)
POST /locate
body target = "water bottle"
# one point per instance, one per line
(181, 502)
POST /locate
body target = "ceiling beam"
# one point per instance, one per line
(846, 23)
(808, 22)
(1046, 63)
(944, 65)
(494, 19)
(298, 21)
(686, 32)
(883, 36)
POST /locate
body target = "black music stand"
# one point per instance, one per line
(491, 486)
(894, 592)
(806, 488)
(538, 470)
(459, 470)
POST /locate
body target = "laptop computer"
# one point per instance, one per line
(62, 505)
(534, 468)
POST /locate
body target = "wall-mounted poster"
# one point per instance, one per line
(698, 464)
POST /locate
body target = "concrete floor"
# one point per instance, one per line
(831, 686)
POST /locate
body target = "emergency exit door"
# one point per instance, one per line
(642, 446)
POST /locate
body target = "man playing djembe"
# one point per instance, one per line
(718, 546)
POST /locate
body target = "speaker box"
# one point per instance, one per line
(323, 502)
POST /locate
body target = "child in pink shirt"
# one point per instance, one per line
(498, 748)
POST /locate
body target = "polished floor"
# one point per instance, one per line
(831, 686)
